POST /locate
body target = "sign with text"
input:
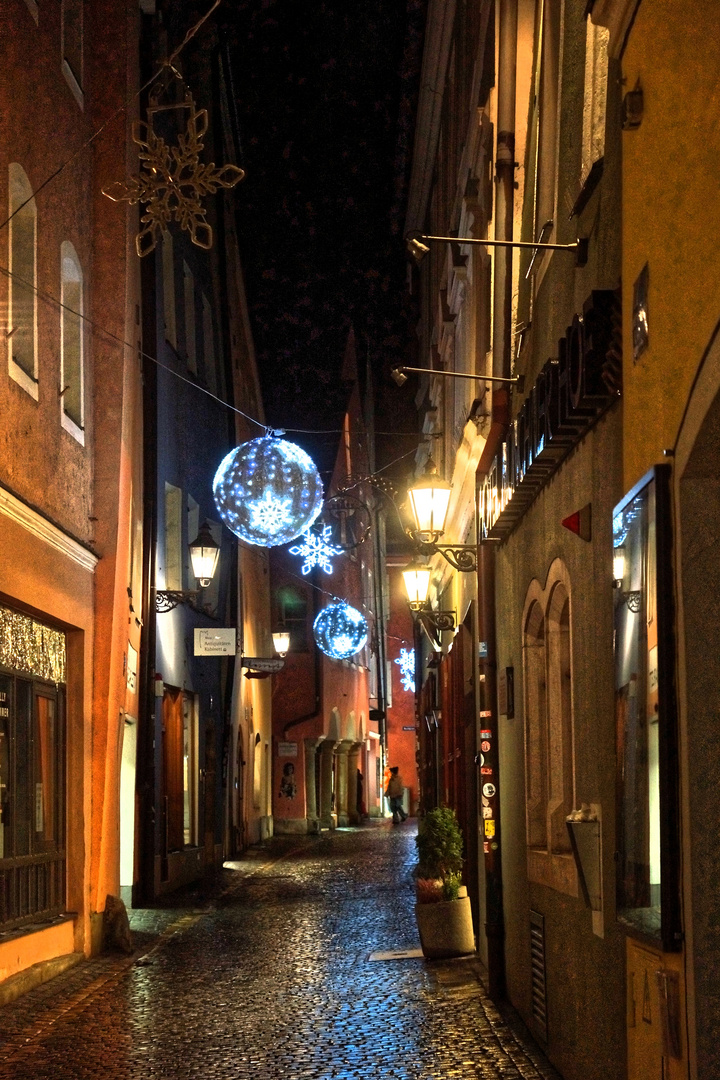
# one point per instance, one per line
(214, 642)
(269, 664)
(287, 749)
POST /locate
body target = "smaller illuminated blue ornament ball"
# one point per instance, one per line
(268, 491)
(340, 630)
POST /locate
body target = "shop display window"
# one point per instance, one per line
(647, 840)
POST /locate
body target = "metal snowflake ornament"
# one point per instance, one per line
(406, 663)
(316, 550)
(172, 180)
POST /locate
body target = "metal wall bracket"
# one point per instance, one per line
(168, 599)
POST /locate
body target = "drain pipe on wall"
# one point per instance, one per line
(506, 20)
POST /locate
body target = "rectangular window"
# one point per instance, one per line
(32, 782)
(647, 888)
(22, 315)
(209, 347)
(168, 278)
(189, 770)
(595, 97)
(72, 45)
(71, 341)
(548, 99)
(173, 537)
(180, 768)
(190, 339)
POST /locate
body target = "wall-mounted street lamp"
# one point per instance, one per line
(417, 585)
(429, 500)
(204, 555)
(417, 245)
(399, 377)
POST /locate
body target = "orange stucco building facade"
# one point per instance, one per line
(70, 478)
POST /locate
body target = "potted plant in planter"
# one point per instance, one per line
(442, 910)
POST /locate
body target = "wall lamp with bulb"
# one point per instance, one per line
(204, 556)
(281, 641)
(416, 576)
(417, 245)
(429, 500)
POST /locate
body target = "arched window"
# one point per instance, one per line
(22, 313)
(549, 762)
(292, 612)
(72, 393)
(559, 718)
(535, 727)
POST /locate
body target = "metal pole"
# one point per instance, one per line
(494, 919)
(504, 243)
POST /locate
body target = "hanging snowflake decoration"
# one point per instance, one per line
(172, 180)
(268, 491)
(406, 663)
(340, 631)
(316, 550)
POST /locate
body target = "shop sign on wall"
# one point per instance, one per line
(570, 394)
(215, 642)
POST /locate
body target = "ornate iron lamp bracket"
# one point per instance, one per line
(462, 557)
(168, 599)
(438, 620)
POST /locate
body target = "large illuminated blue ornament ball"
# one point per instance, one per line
(340, 631)
(268, 491)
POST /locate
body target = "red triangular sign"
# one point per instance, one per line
(580, 523)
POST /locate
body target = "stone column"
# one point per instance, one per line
(353, 765)
(342, 783)
(328, 818)
(311, 794)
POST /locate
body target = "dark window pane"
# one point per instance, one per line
(23, 747)
(72, 36)
(45, 816)
(5, 780)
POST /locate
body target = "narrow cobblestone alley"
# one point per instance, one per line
(274, 980)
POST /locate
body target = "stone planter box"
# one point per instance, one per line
(446, 929)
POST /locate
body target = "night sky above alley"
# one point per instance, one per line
(325, 96)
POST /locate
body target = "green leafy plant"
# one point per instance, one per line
(451, 886)
(439, 843)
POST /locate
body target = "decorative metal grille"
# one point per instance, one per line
(537, 973)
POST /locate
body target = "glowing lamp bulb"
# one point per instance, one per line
(204, 555)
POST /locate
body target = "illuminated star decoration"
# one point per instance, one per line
(316, 551)
(268, 491)
(406, 663)
(172, 180)
(340, 630)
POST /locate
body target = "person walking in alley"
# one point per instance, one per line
(394, 791)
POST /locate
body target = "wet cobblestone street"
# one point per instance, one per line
(272, 980)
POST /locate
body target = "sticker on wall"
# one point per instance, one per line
(487, 812)
(486, 847)
(486, 735)
(486, 712)
(489, 790)
(486, 770)
(490, 828)
(485, 746)
(485, 801)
